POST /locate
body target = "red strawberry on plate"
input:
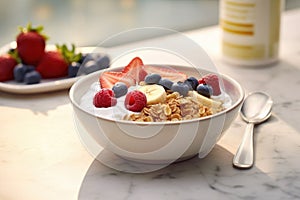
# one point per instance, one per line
(31, 44)
(166, 72)
(55, 64)
(7, 64)
(110, 78)
(135, 69)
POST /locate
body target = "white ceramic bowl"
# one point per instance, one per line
(157, 142)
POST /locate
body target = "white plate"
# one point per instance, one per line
(46, 85)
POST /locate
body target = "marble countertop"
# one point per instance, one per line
(41, 155)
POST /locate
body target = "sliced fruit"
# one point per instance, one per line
(135, 69)
(204, 100)
(110, 78)
(166, 72)
(154, 93)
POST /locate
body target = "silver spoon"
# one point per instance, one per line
(255, 109)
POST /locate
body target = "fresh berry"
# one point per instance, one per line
(90, 56)
(135, 69)
(104, 98)
(181, 88)
(152, 78)
(166, 72)
(52, 65)
(192, 82)
(89, 67)
(135, 101)
(73, 69)
(31, 44)
(205, 90)
(95, 65)
(201, 81)
(32, 77)
(55, 64)
(110, 78)
(103, 62)
(20, 70)
(213, 81)
(7, 64)
(120, 89)
(166, 83)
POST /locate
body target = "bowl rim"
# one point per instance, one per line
(228, 78)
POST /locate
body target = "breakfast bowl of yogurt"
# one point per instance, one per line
(154, 114)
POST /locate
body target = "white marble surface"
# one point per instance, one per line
(41, 156)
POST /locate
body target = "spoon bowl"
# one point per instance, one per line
(256, 109)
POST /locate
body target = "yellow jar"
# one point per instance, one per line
(250, 31)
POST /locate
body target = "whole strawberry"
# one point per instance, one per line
(7, 64)
(54, 64)
(31, 44)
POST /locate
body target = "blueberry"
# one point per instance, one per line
(73, 69)
(152, 78)
(205, 90)
(20, 70)
(90, 56)
(120, 89)
(89, 67)
(193, 82)
(166, 83)
(32, 77)
(181, 88)
(103, 62)
(30, 68)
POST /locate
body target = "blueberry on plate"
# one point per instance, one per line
(103, 62)
(73, 69)
(181, 88)
(205, 90)
(32, 77)
(89, 56)
(20, 70)
(193, 82)
(120, 89)
(152, 78)
(166, 83)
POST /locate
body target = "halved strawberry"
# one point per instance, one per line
(110, 78)
(135, 69)
(166, 72)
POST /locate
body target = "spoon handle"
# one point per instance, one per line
(244, 155)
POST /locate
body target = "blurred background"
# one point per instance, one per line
(89, 22)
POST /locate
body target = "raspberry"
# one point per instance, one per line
(213, 81)
(135, 101)
(104, 98)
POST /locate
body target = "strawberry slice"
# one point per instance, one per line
(135, 69)
(110, 78)
(166, 72)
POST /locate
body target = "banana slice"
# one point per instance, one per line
(204, 100)
(154, 93)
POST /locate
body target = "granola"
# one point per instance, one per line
(175, 108)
